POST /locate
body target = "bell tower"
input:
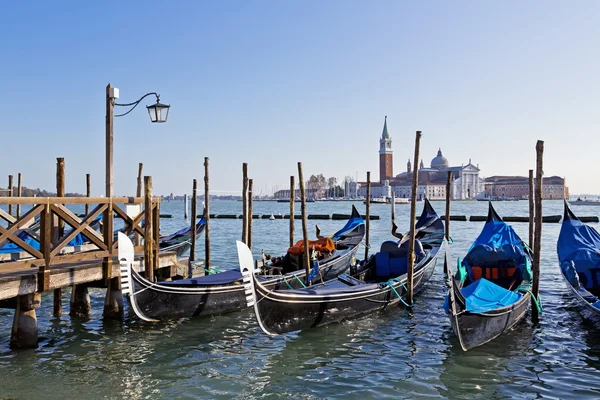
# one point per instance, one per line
(385, 154)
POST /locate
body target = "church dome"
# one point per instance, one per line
(439, 161)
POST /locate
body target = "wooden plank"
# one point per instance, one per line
(15, 226)
(6, 216)
(131, 224)
(73, 220)
(74, 232)
(19, 242)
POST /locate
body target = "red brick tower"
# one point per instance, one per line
(385, 155)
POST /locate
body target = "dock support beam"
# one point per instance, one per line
(24, 332)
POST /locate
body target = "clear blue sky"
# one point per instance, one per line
(272, 83)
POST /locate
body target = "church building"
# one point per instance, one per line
(466, 183)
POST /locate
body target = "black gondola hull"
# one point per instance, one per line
(280, 313)
(475, 329)
(153, 301)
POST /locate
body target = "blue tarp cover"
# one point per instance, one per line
(13, 248)
(483, 295)
(579, 243)
(496, 245)
(182, 231)
(354, 221)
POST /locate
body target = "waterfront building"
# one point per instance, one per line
(499, 187)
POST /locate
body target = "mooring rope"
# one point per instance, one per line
(526, 288)
(391, 285)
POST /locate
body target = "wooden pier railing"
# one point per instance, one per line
(52, 212)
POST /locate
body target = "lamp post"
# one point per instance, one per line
(113, 304)
(158, 113)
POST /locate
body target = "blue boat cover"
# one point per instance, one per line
(483, 295)
(354, 221)
(13, 248)
(496, 246)
(222, 278)
(579, 244)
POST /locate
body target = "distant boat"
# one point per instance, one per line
(580, 202)
(272, 217)
(387, 200)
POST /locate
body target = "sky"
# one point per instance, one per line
(274, 83)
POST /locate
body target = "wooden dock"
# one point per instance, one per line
(53, 264)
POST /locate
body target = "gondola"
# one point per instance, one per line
(490, 291)
(578, 251)
(223, 292)
(378, 283)
(180, 241)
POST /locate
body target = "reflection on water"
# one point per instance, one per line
(396, 353)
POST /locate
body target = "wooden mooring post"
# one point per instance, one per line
(193, 227)
(138, 193)
(58, 227)
(412, 222)
(10, 193)
(447, 218)
(537, 240)
(185, 205)
(306, 260)
(148, 242)
(531, 208)
(206, 217)
(249, 216)
(19, 190)
(245, 203)
(88, 191)
(292, 200)
(368, 221)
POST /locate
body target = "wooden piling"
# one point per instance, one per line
(413, 216)
(537, 240)
(148, 242)
(88, 191)
(245, 203)
(292, 200)
(206, 217)
(249, 215)
(531, 208)
(80, 304)
(304, 227)
(447, 222)
(19, 189)
(368, 219)
(138, 192)
(25, 329)
(59, 227)
(185, 205)
(193, 227)
(10, 193)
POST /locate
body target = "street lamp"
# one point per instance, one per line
(158, 113)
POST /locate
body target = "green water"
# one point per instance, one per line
(391, 354)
